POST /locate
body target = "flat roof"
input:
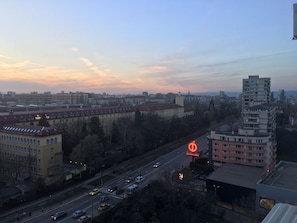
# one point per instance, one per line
(284, 175)
(281, 213)
(239, 175)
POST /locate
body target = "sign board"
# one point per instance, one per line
(193, 148)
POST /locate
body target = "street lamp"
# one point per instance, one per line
(215, 188)
(92, 205)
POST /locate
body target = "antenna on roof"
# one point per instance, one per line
(294, 21)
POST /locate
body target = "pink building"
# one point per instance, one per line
(244, 147)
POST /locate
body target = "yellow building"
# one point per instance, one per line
(31, 151)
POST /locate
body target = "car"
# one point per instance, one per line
(112, 189)
(78, 213)
(156, 165)
(84, 218)
(139, 179)
(129, 180)
(58, 215)
(103, 206)
(132, 188)
(94, 191)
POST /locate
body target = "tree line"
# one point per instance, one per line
(86, 142)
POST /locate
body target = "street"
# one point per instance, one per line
(169, 163)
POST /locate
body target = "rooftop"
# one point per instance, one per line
(28, 116)
(30, 130)
(239, 175)
(284, 213)
(284, 175)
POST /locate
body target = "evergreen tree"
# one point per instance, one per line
(96, 128)
(115, 133)
(43, 121)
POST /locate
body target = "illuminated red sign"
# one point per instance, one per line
(192, 147)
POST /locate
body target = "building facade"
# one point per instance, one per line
(106, 115)
(261, 118)
(31, 151)
(253, 144)
(244, 147)
(255, 91)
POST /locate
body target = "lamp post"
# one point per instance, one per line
(92, 205)
(215, 189)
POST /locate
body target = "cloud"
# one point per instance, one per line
(5, 57)
(15, 65)
(86, 61)
(22, 75)
(74, 49)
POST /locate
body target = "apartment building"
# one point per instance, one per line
(70, 116)
(255, 91)
(166, 111)
(244, 147)
(261, 118)
(31, 151)
(253, 144)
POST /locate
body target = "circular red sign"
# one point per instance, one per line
(193, 147)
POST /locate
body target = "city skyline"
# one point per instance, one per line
(135, 46)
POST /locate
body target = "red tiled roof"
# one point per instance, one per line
(27, 116)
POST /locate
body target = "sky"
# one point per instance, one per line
(157, 46)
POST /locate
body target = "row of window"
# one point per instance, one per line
(239, 146)
(19, 158)
(240, 153)
(25, 159)
(244, 140)
(27, 150)
(241, 159)
(26, 140)
(19, 140)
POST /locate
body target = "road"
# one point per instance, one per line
(169, 163)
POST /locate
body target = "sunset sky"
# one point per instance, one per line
(131, 46)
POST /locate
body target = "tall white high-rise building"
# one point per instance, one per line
(254, 143)
(255, 91)
(257, 114)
